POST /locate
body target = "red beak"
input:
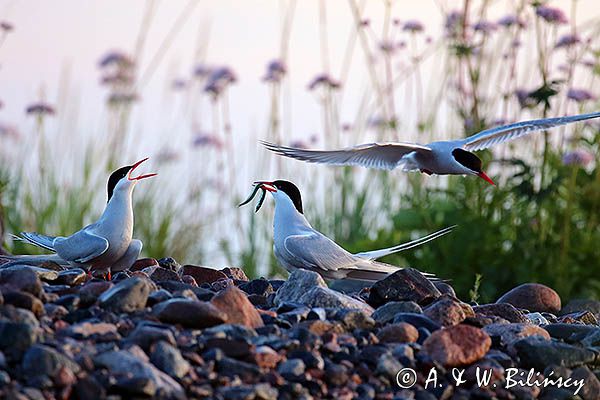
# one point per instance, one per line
(137, 178)
(266, 185)
(486, 178)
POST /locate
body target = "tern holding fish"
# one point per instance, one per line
(452, 157)
(105, 245)
(298, 245)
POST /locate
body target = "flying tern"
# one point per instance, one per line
(452, 157)
(298, 245)
(105, 245)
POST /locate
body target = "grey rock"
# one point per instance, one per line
(125, 363)
(127, 296)
(22, 279)
(327, 298)
(230, 367)
(538, 353)
(405, 284)
(17, 337)
(146, 334)
(168, 359)
(537, 318)
(502, 310)
(292, 367)
(569, 332)
(189, 313)
(158, 296)
(388, 311)
(388, 366)
(577, 305)
(417, 320)
(42, 360)
(591, 388)
(71, 277)
(298, 284)
(42, 273)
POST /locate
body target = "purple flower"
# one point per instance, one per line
(207, 140)
(219, 79)
(202, 71)
(6, 26)
(510, 20)
(179, 84)
(578, 157)
(485, 27)
(324, 80)
(453, 23)
(276, 70)
(580, 95)
(413, 26)
(40, 108)
(388, 47)
(552, 15)
(116, 57)
(568, 40)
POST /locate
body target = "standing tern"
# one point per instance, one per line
(452, 157)
(105, 245)
(298, 245)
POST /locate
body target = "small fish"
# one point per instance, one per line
(252, 195)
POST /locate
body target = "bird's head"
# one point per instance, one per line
(283, 191)
(472, 163)
(122, 178)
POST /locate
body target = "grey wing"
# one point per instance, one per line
(317, 251)
(81, 247)
(372, 155)
(500, 134)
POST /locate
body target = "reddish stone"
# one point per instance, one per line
(457, 345)
(143, 263)
(234, 303)
(203, 274)
(534, 297)
(398, 333)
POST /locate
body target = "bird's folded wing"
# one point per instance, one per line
(81, 247)
(490, 137)
(317, 251)
(373, 155)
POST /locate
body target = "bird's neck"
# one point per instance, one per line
(287, 219)
(119, 210)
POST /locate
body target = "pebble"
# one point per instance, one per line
(448, 311)
(457, 345)
(534, 352)
(388, 311)
(398, 333)
(189, 313)
(126, 296)
(238, 310)
(203, 274)
(168, 359)
(533, 297)
(298, 284)
(407, 284)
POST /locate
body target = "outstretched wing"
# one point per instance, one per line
(373, 155)
(81, 247)
(500, 134)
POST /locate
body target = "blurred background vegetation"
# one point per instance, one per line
(524, 60)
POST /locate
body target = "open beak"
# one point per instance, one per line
(486, 178)
(137, 178)
(266, 186)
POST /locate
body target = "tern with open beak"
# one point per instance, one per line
(452, 157)
(298, 245)
(107, 244)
